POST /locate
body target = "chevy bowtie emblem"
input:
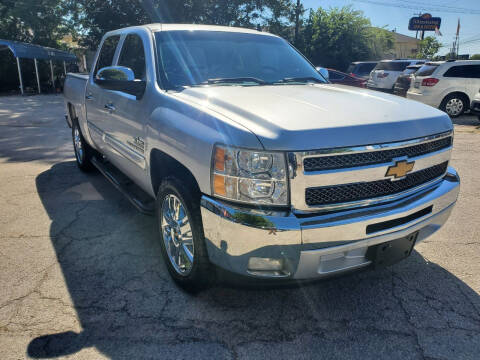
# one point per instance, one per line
(400, 169)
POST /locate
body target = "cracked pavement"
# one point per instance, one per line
(81, 275)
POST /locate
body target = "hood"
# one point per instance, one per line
(318, 116)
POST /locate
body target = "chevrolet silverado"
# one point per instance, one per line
(252, 161)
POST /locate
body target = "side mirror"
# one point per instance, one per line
(323, 72)
(120, 78)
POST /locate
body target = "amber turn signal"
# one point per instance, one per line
(219, 185)
(219, 159)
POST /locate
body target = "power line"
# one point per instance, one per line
(472, 37)
(446, 7)
(423, 8)
(470, 41)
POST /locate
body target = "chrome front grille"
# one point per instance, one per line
(373, 157)
(370, 190)
(332, 179)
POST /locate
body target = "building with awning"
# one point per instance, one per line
(30, 51)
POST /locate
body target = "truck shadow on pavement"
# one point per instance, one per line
(128, 307)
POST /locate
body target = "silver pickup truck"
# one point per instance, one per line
(251, 161)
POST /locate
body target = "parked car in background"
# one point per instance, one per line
(385, 74)
(403, 81)
(361, 69)
(338, 77)
(448, 85)
(475, 106)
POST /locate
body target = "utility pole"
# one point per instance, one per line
(458, 36)
(456, 42)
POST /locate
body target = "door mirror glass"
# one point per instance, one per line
(323, 72)
(120, 78)
(115, 73)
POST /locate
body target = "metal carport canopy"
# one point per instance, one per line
(30, 51)
(36, 52)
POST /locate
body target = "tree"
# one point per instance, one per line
(475, 57)
(342, 35)
(298, 11)
(95, 17)
(428, 47)
(42, 22)
(278, 16)
(380, 41)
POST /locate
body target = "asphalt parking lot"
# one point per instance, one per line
(81, 274)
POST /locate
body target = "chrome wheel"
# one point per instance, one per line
(177, 234)
(454, 107)
(77, 144)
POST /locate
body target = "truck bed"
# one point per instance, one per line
(74, 90)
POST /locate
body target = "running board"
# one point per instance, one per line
(140, 199)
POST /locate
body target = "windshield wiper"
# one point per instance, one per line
(235, 80)
(305, 79)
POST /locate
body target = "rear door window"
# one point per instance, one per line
(464, 71)
(133, 55)
(105, 58)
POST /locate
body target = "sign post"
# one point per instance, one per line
(20, 74)
(51, 72)
(36, 73)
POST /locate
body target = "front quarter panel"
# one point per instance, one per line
(187, 132)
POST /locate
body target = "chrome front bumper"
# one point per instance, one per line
(317, 245)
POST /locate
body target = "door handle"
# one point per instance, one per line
(89, 97)
(110, 107)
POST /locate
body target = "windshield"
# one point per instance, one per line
(189, 58)
(392, 65)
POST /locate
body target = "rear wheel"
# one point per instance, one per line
(83, 151)
(181, 235)
(454, 105)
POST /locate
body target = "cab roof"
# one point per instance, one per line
(193, 27)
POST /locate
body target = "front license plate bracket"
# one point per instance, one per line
(391, 252)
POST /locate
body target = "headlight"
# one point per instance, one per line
(256, 177)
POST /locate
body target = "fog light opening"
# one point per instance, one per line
(268, 267)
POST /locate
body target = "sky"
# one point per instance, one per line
(395, 14)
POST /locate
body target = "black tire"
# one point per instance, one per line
(199, 274)
(83, 151)
(457, 98)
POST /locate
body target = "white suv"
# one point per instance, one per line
(448, 85)
(385, 74)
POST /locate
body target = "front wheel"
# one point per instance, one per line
(181, 235)
(83, 151)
